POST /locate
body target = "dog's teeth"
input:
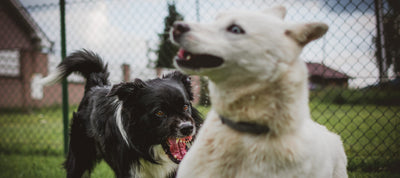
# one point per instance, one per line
(188, 57)
(177, 140)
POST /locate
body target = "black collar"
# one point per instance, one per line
(246, 127)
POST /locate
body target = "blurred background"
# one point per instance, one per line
(354, 71)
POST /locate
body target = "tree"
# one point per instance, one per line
(387, 41)
(166, 50)
(392, 35)
(204, 99)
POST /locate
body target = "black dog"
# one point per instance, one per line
(140, 128)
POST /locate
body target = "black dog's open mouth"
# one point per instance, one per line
(196, 61)
(176, 148)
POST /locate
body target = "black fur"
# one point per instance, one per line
(94, 132)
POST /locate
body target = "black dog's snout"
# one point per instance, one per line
(179, 28)
(186, 128)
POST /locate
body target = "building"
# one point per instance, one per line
(322, 76)
(24, 58)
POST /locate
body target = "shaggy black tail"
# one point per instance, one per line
(85, 63)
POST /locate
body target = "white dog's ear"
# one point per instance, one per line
(278, 11)
(304, 33)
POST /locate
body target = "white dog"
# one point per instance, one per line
(260, 124)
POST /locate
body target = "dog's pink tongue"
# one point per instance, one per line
(181, 53)
(177, 148)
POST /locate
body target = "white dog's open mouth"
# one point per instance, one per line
(196, 61)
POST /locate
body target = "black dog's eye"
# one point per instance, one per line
(160, 114)
(185, 107)
(236, 29)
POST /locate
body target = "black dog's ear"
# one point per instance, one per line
(124, 90)
(184, 79)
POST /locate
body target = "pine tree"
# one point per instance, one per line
(166, 50)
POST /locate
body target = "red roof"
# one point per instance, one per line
(317, 69)
(21, 19)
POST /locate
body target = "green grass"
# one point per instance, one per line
(372, 96)
(39, 166)
(31, 143)
(39, 131)
(371, 134)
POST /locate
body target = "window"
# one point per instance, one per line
(9, 63)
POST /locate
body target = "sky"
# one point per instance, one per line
(123, 31)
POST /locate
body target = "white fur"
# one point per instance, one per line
(262, 81)
(53, 78)
(118, 120)
(150, 170)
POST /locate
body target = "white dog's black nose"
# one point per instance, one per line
(179, 28)
(186, 128)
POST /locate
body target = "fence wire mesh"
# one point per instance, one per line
(353, 70)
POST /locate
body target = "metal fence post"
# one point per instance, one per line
(64, 82)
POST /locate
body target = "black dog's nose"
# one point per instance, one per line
(179, 28)
(186, 128)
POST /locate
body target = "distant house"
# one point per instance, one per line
(322, 76)
(24, 56)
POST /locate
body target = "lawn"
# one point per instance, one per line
(39, 166)
(31, 143)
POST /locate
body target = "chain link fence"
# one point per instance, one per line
(354, 68)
